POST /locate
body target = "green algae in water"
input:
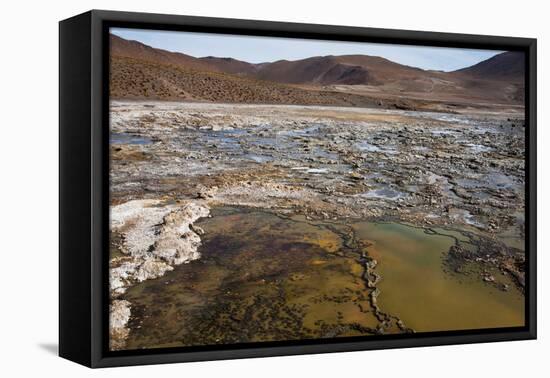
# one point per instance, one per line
(416, 288)
(262, 277)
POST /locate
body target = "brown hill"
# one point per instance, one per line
(508, 65)
(501, 78)
(139, 79)
(322, 70)
(345, 69)
(335, 80)
(230, 65)
(121, 47)
(305, 71)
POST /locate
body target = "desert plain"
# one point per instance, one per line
(256, 203)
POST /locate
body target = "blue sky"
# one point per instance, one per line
(268, 49)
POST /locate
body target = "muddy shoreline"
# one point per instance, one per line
(441, 173)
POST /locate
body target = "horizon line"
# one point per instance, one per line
(421, 53)
(287, 60)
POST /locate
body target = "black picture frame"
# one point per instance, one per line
(84, 187)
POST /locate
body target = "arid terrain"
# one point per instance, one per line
(142, 72)
(330, 197)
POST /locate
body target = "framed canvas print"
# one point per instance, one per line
(234, 188)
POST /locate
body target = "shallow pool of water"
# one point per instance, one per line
(124, 138)
(416, 288)
(385, 193)
(264, 277)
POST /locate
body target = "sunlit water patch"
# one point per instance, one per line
(385, 193)
(416, 288)
(126, 138)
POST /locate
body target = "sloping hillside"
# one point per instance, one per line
(139, 79)
(346, 69)
(508, 66)
(133, 49)
(141, 71)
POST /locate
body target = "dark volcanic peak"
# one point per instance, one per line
(373, 60)
(344, 69)
(345, 74)
(230, 65)
(303, 71)
(510, 65)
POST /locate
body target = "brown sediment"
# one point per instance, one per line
(257, 288)
(261, 279)
(488, 253)
(426, 292)
(334, 167)
(388, 323)
(417, 167)
(350, 245)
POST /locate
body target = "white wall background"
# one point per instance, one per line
(29, 189)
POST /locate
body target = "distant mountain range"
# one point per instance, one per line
(141, 71)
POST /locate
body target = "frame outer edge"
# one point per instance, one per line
(532, 81)
(100, 17)
(98, 273)
(74, 143)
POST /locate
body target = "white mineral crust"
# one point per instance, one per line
(155, 238)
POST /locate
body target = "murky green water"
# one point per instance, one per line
(416, 288)
(262, 277)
